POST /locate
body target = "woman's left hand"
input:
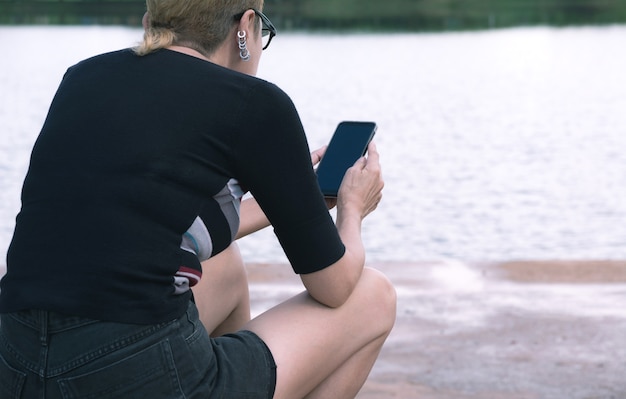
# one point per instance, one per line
(317, 155)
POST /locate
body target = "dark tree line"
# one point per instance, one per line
(414, 15)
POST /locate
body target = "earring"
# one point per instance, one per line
(243, 46)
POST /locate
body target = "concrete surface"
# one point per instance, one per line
(517, 330)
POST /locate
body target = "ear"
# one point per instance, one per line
(145, 21)
(246, 23)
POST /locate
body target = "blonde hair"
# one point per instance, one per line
(199, 24)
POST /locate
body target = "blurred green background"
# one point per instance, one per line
(363, 15)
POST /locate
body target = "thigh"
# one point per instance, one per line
(188, 364)
(246, 367)
(222, 295)
(309, 340)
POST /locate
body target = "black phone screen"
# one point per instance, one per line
(349, 143)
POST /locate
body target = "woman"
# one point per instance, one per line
(135, 179)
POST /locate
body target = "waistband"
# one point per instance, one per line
(51, 322)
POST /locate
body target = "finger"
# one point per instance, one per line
(360, 163)
(331, 202)
(317, 155)
(372, 152)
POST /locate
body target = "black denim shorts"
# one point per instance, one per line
(73, 357)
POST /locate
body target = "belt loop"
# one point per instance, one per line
(44, 319)
(43, 327)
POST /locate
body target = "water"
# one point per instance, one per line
(496, 145)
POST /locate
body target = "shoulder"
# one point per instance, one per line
(109, 57)
(269, 96)
(103, 61)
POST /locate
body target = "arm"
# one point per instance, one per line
(273, 165)
(359, 195)
(252, 216)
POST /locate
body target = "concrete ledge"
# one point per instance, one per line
(514, 330)
(568, 272)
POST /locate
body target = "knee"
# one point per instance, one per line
(381, 298)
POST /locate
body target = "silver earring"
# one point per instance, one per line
(243, 46)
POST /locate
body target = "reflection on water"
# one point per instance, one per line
(495, 145)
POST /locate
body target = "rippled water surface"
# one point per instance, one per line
(496, 145)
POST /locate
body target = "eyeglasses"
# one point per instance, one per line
(268, 30)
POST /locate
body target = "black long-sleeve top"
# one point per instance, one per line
(136, 176)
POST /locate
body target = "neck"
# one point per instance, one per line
(188, 51)
(223, 56)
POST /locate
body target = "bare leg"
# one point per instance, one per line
(348, 379)
(222, 295)
(323, 352)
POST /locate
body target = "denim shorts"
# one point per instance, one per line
(49, 356)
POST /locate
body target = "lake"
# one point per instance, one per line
(496, 145)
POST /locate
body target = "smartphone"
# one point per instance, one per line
(348, 143)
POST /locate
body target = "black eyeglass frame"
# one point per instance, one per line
(267, 27)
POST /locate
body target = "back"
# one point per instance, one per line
(133, 152)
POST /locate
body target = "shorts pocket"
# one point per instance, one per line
(149, 374)
(11, 380)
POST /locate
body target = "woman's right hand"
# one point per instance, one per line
(361, 188)
(359, 194)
